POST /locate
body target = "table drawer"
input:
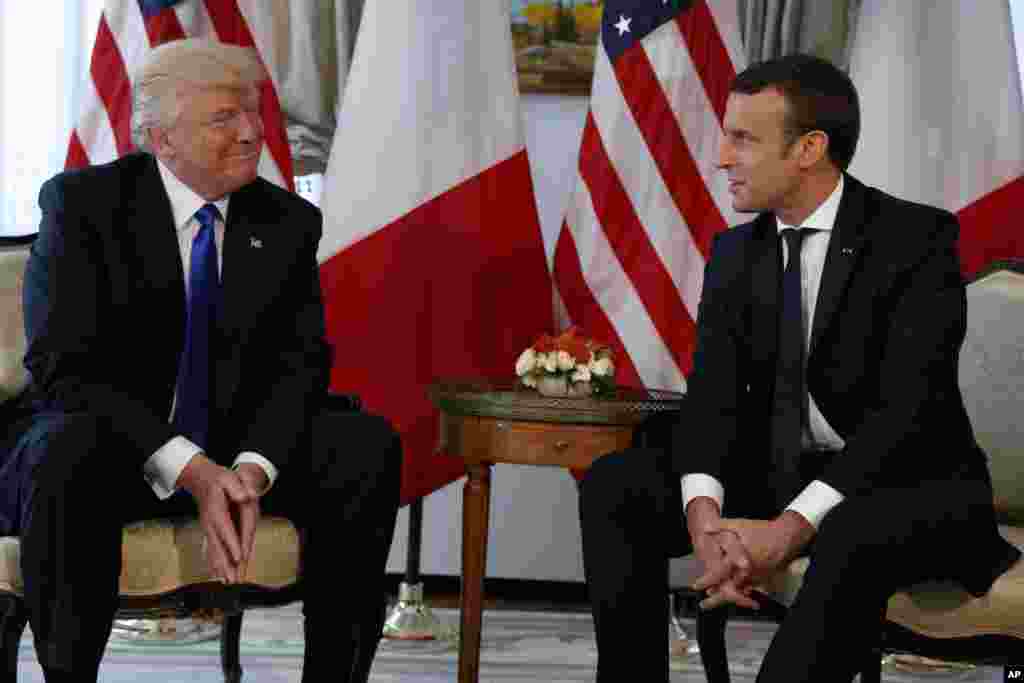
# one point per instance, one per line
(532, 443)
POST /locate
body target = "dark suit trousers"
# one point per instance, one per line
(866, 549)
(83, 486)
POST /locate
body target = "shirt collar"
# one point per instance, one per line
(824, 217)
(184, 201)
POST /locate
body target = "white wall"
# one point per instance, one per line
(534, 531)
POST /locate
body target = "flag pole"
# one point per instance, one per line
(412, 618)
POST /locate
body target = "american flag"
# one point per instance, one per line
(630, 257)
(128, 30)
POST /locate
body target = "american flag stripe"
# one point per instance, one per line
(649, 200)
(632, 246)
(700, 125)
(579, 303)
(700, 34)
(654, 205)
(664, 142)
(128, 30)
(609, 288)
(114, 93)
(232, 27)
(163, 26)
(94, 135)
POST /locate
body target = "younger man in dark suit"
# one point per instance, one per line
(824, 401)
(176, 347)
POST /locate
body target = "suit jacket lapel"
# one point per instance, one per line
(246, 230)
(765, 268)
(244, 279)
(149, 217)
(843, 253)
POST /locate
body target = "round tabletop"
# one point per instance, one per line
(509, 399)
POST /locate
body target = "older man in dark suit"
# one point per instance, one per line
(176, 347)
(823, 405)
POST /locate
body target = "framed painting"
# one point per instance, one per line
(555, 43)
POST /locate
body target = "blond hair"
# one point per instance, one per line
(193, 62)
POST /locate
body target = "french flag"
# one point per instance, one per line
(432, 259)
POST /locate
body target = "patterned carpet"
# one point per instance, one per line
(519, 647)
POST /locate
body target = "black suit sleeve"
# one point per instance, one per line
(713, 406)
(68, 339)
(297, 361)
(927, 318)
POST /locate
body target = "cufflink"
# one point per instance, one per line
(255, 243)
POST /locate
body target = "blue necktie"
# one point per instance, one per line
(194, 394)
(788, 412)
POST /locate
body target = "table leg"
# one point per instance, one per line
(476, 503)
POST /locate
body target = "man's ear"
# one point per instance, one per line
(813, 148)
(159, 142)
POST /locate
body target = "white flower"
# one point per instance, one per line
(582, 374)
(527, 361)
(565, 361)
(548, 360)
(530, 381)
(602, 367)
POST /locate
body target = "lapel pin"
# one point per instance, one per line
(848, 251)
(255, 243)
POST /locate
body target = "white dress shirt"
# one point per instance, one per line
(815, 501)
(163, 467)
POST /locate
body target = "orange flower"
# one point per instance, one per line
(545, 343)
(572, 342)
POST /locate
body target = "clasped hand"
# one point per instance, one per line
(738, 554)
(229, 508)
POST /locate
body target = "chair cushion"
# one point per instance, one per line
(941, 609)
(991, 378)
(13, 376)
(166, 554)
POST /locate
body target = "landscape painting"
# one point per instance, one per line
(555, 43)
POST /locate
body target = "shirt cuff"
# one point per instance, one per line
(694, 485)
(815, 501)
(163, 468)
(257, 459)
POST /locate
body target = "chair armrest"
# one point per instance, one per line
(17, 240)
(343, 403)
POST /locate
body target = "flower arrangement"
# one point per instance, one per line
(567, 365)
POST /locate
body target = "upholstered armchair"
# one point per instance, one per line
(164, 572)
(941, 620)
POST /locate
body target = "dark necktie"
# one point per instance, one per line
(788, 409)
(194, 395)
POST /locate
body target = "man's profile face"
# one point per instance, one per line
(761, 164)
(214, 144)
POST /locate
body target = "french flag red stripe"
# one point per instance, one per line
(990, 228)
(455, 288)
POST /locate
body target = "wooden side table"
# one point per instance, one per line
(487, 422)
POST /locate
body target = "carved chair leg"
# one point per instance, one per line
(230, 642)
(711, 639)
(13, 618)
